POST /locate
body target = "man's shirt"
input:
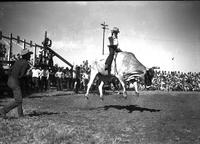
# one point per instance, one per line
(36, 73)
(59, 74)
(19, 69)
(113, 41)
(45, 73)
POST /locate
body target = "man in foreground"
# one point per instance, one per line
(16, 73)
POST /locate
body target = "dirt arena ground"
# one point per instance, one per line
(154, 117)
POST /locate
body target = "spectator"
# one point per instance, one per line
(17, 71)
(85, 80)
(44, 79)
(59, 75)
(71, 79)
(76, 78)
(40, 79)
(35, 78)
(67, 78)
(51, 81)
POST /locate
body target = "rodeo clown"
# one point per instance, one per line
(113, 47)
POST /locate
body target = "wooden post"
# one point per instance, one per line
(45, 50)
(10, 51)
(45, 36)
(18, 39)
(31, 43)
(104, 27)
(1, 35)
(34, 57)
(103, 39)
(24, 44)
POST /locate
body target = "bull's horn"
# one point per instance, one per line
(155, 67)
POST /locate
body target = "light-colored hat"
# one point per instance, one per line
(26, 51)
(115, 29)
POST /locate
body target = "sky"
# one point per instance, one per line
(159, 33)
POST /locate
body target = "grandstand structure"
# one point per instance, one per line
(45, 56)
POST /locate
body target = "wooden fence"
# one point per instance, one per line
(11, 38)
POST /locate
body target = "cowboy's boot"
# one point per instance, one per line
(20, 111)
(106, 66)
(2, 113)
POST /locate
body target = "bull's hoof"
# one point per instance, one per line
(101, 98)
(137, 94)
(125, 97)
(125, 94)
(86, 97)
(118, 92)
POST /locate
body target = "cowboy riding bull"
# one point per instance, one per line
(125, 67)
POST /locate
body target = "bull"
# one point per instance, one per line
(125, 67)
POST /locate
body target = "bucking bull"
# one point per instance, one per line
(125, 67)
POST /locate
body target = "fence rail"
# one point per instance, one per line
(18, 40)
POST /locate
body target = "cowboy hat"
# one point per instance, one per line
(115, 29)
(26, 51)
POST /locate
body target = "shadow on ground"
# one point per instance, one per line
(35, 113)
(129, 108)
(47, 95)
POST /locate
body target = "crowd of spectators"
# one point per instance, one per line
(41, 79)
(175, 81)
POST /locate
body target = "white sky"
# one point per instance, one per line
(154, 31)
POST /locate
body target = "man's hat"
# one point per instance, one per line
(26, 51)
(115, 29)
